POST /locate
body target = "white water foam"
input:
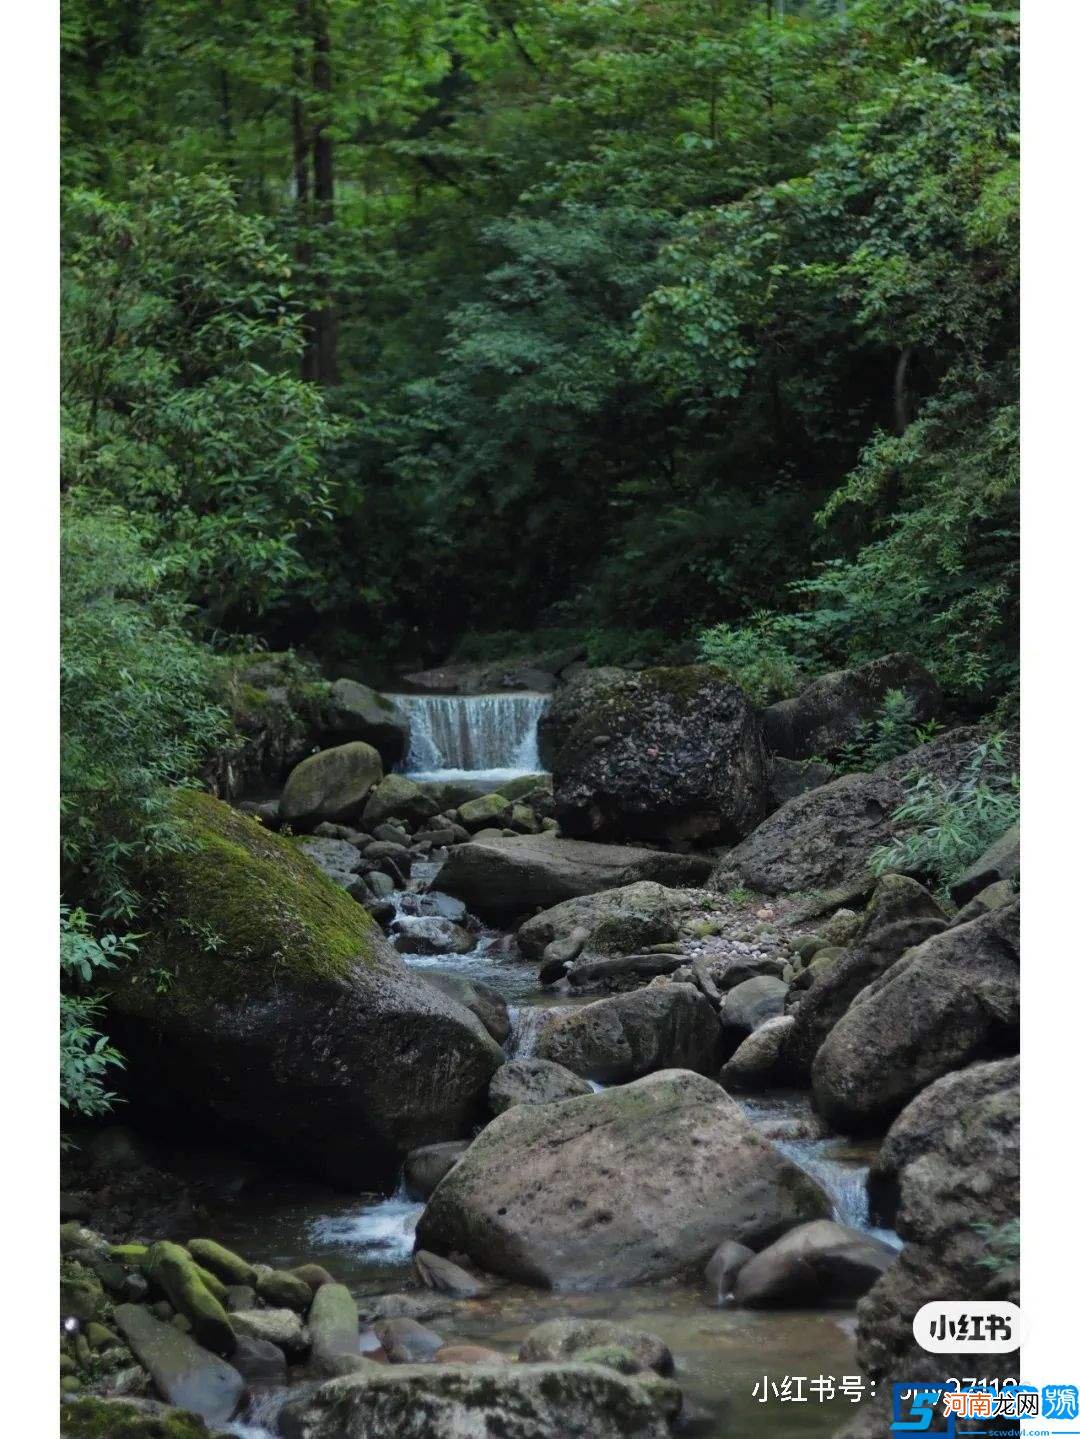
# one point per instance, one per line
(383, 1230)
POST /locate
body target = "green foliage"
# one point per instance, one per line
(755, 656)
(85, 1053)
(137, 706)
(893, 731)
(178, 320)
(947, 827)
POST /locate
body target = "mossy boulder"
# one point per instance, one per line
(485, 811)
(171, 1270)
(670, 753)
(268, 1001)
(92, 1418)
(397, 797)
(228, 1267)
(330, 786)
(355, 712)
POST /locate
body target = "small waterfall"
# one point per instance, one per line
(459, 735)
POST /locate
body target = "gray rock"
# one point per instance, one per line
(567, 1338)
(448, 1278)
(789, 778)
(818, 1263)
(334, 1326)
(281, 1327)
(405, 1341)
(357, 712)
(994, 896)
(634, 1184)
(396, 797)
(616, 921)
(485, 811)
(750, 1004)
(427, 1166)
(672, 753)
(258, 1361)
(1001, 861)
(598, 973)
(953, 999)
(759, 1061)
(740, 970)
(568, 704)
(445, 1401)
(723, 1267)
(335, 857)
(533, 1081)
(665, 1026)
(504, 877)
(429, 934)
(331, 785)
(480, 999)
(829, 712)
(183, 1372)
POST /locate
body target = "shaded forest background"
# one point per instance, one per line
(395, 331)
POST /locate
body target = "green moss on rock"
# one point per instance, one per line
(242, 910)
(89, 1418)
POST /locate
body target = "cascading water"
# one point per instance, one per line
(471, 736)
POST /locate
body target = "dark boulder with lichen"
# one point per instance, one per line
(266, 1002)
(671, 753)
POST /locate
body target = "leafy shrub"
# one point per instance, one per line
(756, 656)
(947, 827)
(893, 731)
(85, 1053)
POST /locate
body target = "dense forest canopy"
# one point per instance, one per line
(669, 328)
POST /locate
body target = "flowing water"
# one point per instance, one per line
(488, 738)
(366, 1242)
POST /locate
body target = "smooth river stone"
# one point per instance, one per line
(183, 1372)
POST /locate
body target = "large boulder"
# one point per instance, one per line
(448, 1401)
(183, 1372)
(672, 754)
(824, 839)
(267, 1002)
(959, 1186)
(916, 1129)
(901, 914)
(665, 1026)
(567, 705)
(953, 999)
(616, 921)
(829, 712)
(760, 1061)
(752, 1003)
(1000, 862)
(818, 1263)
(353, 711)
(626, 1186)
(480, 999)
(426, 1167)
(330, 786)
(506, 877)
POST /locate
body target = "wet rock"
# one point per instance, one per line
(258, 1361)
(818, 1263)
(566, 1339)
(751, 1004)
(752, 967)
(281, 1327)
(396, 797)
(568, 704)
(426, 1167)
(515, 1401)
(1001, 861)
(392, 859)
(533, 1081)
(405, 1306)
(633, 1184)
(683, 759)
(824, 839)
(337, 858)
(489, 810)
(448, 1278)
(470, 1354)
(503, 877)
(331, 785)
(916, 1130)
(334, 1328)
(953, 999)
(313, 1275)
(790, 778)
(239, 1297)
(320, 1031)
(431, 935)
(183, 1372)
(829, 712)
(994, 896)
(723, 1267)
(629, 1035)
(480, 999)
(278, 1289)
(586, 973)
(760, 1060)
(91, 1417)
(407, 1342)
